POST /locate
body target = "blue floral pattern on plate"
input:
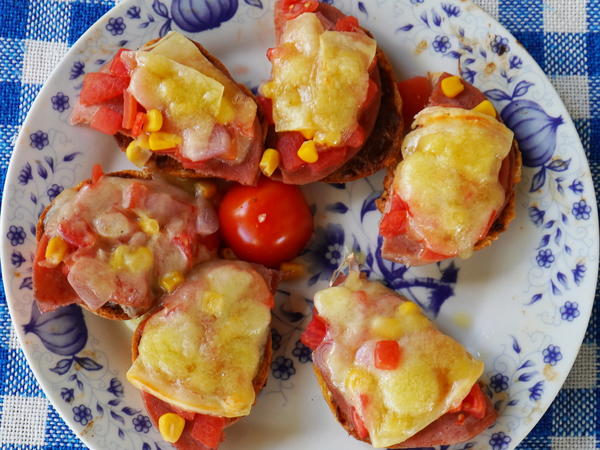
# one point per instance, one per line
(555, 232)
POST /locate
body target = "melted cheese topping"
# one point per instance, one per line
(202, 351)
(449, 176)
(174, 77)
(113, 267)
(435, 372)
(319, 79)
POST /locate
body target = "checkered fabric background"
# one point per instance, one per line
(562, 35)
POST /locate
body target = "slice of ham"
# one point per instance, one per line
(407, 247)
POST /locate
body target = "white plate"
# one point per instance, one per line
(521, 305)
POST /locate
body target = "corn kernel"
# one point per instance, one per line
(308, 134)
(171, 426)
(386, 327)
(308, 152)
(358, 380)
(226, 112)
(407, 308)
(171, 280)
(154, 121)
(117, 258)
(148, 225)
(137, 155)
(139, 260)
(269, 161)
(213, 303)
(160, 140)
(55, 251)
(452, 86)
(143, 141)
(486, 107)
(205, 189)
(292, 271)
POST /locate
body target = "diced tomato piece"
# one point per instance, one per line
(315, 332)
(117, 66)
(97, 173)
(187, 415)
(100, 87)
(288, 143)
(415, 94)
(138, 123)
(135, 196)
(387, 355)
(208, 430)
(394, 222)
(474, 403)
(50, 283)
(347, 23)
(187, 244)
(331, 157)
(106, 120)
(266, 107)
(357, 138)
(293, 8)
(359, 425)
(77, 232)
(130, 105)
(371, 93)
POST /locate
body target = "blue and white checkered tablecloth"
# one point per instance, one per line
(562, 35)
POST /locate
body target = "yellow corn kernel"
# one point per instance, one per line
(386, 327)
(139, 260)
(486, 107)
(292, 271)
(171, 426)
(213, 303)
(117, 258)
(269, 161)
(358, 380)
(148, 225)
(205, 189)
(55, 250)
(452, 86)
(226, 112)
(143, 141)
(137, 155)
(171, 280)
(154, 121)
(160, 140)
(407, 308)
(308, 134)
(308, 152)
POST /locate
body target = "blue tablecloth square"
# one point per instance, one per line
(533, 41)
(522, 15)
(83, 16)
(14, 18)
(58, 434)
(593, 13)
(565, 54)
(577, 416)
(13, 371)
(10, 92)
(11, 59)
(38, 26)
(593, 53)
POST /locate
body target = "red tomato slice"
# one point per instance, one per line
(50, 285)
(135, 196)
(130, 105)
(106, 120)
(288, 143)
(475, 403)
(138, 123)
(100, 87)
(77, 232)
(315, 332)
(97, 173)
(268, 223)
(293, 8)
(188, 244)
(117, 67)
(387, 355)
(208, 430)
(394, 222)
(347, 23)
(415, 94)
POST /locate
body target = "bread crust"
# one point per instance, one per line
(109, 310)
(171, 166)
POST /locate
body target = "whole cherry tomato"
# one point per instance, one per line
(268, 223)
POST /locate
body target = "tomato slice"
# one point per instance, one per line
(106, 120)
(288, 143)
(474, 403)
(100, 87)
(347, 23)
(77, 232)
(187, 244)
(50, 283)
(117, 66)
(294, 8)
(130, 106)
(415, 94)
(135, 196)
(315, 332)
(97, 173)
(387, 355)
(138, 123)
(394, 222)
(268, 223)
(208, 430)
